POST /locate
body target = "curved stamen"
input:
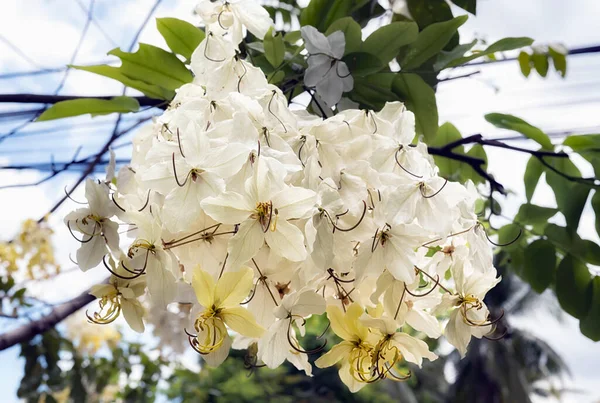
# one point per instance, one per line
(337, 71)
(91, 236)
(210, 34)
(465, 311)
(147, 202)
(437, 282)
(335, 227)
(376, 241)
(239, 83)
(334, 276)
(137, 274)
(503, 244)
(219, 21)
(496, 338)
(179, 144)
(251, 297)
(404, 169)
(176, 177)
(112, 196)
(422, 189)
(319, 337)
(275, 116)
(70, 198)
(290, 341)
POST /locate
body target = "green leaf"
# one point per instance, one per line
(181, 36)
(373, 91)
(533, 172)
(419, 97)
(570, 196)
(509, 236)
(362, 64)
(315, 12)
(583, 142)
(590, 323)
(570, 243)
(445, 57)
(559, 60)
(322, 13)
(274, 48)
(502, 45)
(276, 77)
(352, 33)
(292, 37)
(150, 90)
(467, 172)
(572, 282)
(511, 122)
(467, 5)
(596, 207)
(385, 43)
(429, 12)
(154, 66)
(540, 62)
(525, 63)
(540, 264)
(430, 42)
(93, 106)
(449, 168)
(536, 216)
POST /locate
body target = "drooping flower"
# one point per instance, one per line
(326, 70)
(220, 306)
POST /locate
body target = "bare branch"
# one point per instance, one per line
(52, 99)
(33, 328)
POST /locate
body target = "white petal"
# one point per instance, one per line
(228, 208)
(90, 254)
(133, 313)
(273, 346)
(244, 245)
(161, 283)
(294, 202)
(254, 17)
(287, 241)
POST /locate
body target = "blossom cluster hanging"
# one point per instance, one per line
(255, 217)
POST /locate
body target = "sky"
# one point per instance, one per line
(47, 32)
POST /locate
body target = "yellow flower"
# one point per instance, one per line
(355, 351)
(221, 307)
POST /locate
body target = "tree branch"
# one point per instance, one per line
(52, 99)
(57, 315)
(475, 163)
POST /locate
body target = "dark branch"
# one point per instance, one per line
(52, 99)
(476, 163)
(32, 329)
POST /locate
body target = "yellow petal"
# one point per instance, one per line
(242, 321)
(338, 322)
(233, 287)
(100, 290)
(333, 356)
(353, 314)
(204, 286)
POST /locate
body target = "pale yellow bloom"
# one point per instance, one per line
(221, 307)
(355, 351)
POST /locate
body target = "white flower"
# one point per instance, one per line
(99, 235)
(326, 71)
(279, 342)
(230, 15)
(263, 212)
(470, 318)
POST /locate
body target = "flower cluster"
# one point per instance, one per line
(258, 217)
